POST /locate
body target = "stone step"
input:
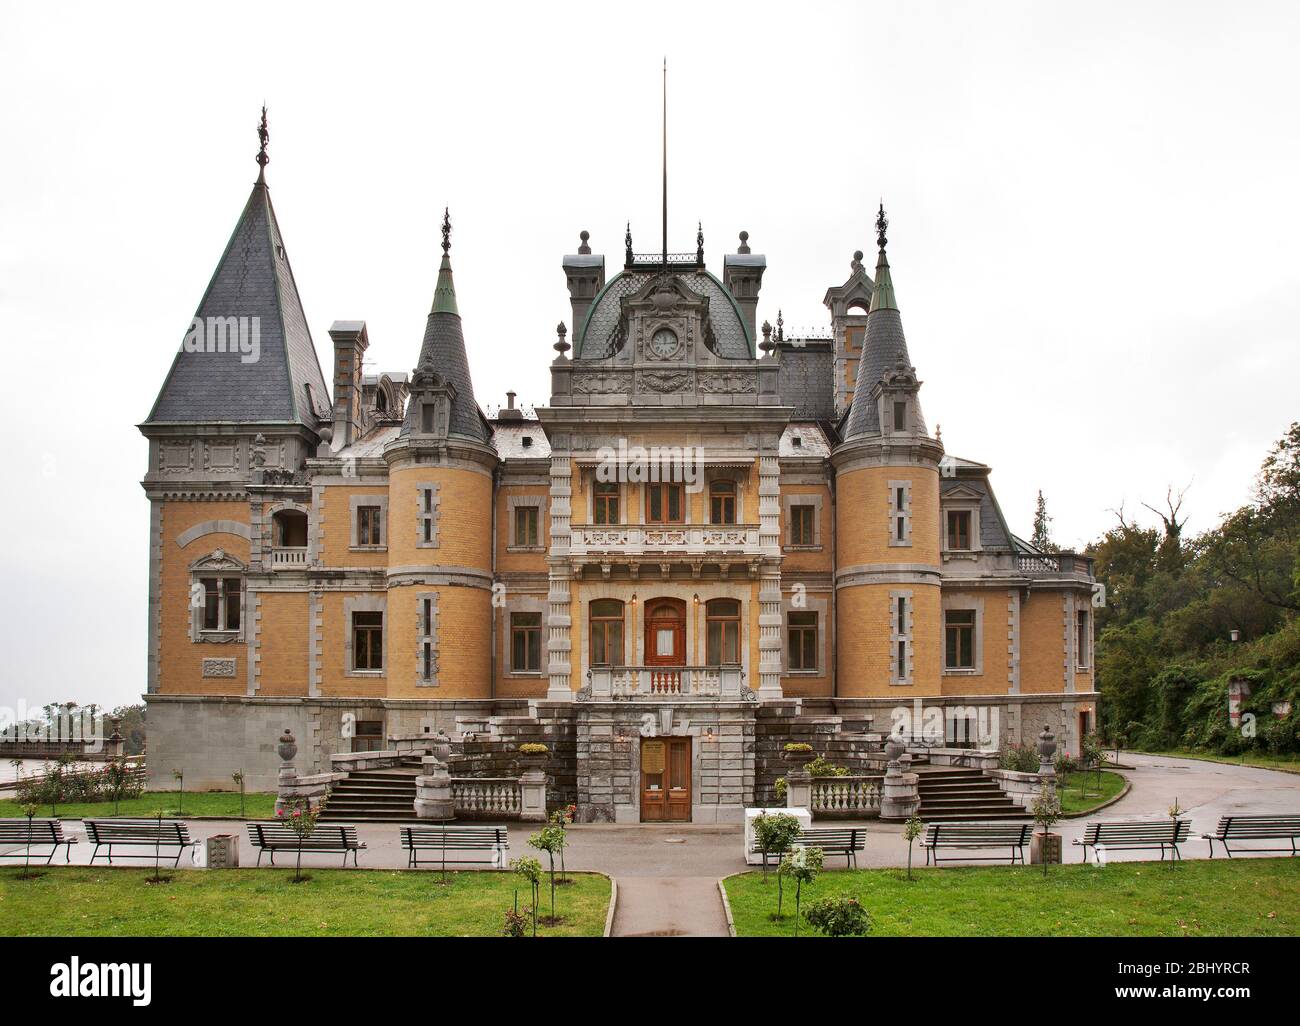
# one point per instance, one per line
(971, 816)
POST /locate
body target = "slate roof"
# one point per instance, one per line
(598, 341)
(444, 348)
(882, 348)
(284, 384)
(508, 439)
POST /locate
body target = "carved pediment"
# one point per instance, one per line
(218, 560)
(962, 493)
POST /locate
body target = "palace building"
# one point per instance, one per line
(712, 539)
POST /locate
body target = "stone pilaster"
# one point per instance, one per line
(559, 643)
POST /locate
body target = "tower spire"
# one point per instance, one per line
(264, 136)
(882, 296)
(665, 212)
(444, 293)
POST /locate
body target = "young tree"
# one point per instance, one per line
(801, 864)
(1046, 810)
(774, 835)
(549, 839)
(29, 810)
(911, 831)
(301, 818)
(531, 870)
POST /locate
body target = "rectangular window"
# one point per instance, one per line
(722, 502)
(221, 603)
(959, 639)
(1083, 640)
(368, 736)
(803, 525)
(526, 518)
(368, 525)
(900, 416)
(663, 503)
(959, 529)
(605, 502)
(367, 640)
(426, 418)
(900, 637)
(802, 631)
(900, 513)
(526, 642)
(606, 631)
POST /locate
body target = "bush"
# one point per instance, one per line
(62, 786)
(823, 767)
(1022, 758)
(839, 917)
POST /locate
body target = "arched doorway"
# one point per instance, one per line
(665, 632)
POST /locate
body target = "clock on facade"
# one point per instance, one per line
(664, 343)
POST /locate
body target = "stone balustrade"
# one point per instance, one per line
(848, 796)
(705, 682)
(701, 541)
(487, 797)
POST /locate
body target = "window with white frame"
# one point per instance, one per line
(900, 513)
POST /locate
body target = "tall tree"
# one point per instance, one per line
(1042, 538)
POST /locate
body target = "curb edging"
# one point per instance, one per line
(726, 908)
(1128, 786)
(613, 903)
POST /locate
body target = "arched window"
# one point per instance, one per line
(606, 632)
(722, 635)
(289, 529)
(381, 401)
(722, 502)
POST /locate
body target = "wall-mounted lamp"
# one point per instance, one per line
(708, 735)
(697, 598)
(1235, 634)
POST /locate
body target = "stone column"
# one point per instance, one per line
(900, 794)
(433, 798)
(287, 779)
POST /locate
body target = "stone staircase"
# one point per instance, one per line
(373, 796)
(950, 794)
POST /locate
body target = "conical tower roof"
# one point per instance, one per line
(884, 345)
(275, 377)
(443, 349)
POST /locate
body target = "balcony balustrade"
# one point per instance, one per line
(289, 558)
(705, 682)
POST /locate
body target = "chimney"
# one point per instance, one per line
(509, 412)
(742, 273)
(350, 345)
(585, 275)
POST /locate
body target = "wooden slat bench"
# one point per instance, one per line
(846, 841)
(135, 833)
(1255, 828)
(1165, 834)
(272, 836)
(455, 844)
(40, 833)
(973, 836)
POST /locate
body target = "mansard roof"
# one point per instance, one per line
(283, 383)
(598, 336)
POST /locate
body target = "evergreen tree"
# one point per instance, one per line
(1042, 539)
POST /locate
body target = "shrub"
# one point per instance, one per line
(533, 748)
(1022, 758)
(797, 746)
(823, 767)
(839, 917)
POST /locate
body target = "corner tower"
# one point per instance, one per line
(441, 467)
(887, 516)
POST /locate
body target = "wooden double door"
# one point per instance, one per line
(666, 780)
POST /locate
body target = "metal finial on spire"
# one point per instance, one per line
(699, 242)
(780, 326)
(665, 226)
(882, 224)
(264, 136)
(627, 243)
(446, 229)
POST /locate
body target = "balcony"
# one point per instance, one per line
(1055, 564)
(705, 682)
(690, 542)
(289, 558)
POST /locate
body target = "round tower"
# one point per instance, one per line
(440, 476)
(887, 578)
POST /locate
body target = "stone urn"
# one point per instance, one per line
(1046, 750)
(533, 761)
(287, 746)
(894, 750)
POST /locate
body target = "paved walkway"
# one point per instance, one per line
(667, 873)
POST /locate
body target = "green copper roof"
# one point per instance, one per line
(444, 293)
(882, 296)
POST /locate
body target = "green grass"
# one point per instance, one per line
(1261, 760)
(220, 804)
(1075, 800)
(1242, 897)
(81, 901)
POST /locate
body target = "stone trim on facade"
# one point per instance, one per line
(897, 674)
(538, 502)
(905, 512)
(425, 633)
(355, 502)
(788, 502)
(963, 602)
(428, 516)
(811, 604)
(517, 603)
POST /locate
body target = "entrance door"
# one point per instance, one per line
(666, 780)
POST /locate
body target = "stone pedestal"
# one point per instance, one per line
(900, 795)
(287, 778)
(532, 796)
(798, 788)
(1045, 848)
(802, 815)
(222, 851)
(433, 798)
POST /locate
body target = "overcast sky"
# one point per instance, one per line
(1093, 207)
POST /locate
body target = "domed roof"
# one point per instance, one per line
(599, 335)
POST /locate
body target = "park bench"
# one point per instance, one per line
(974, 836)
(846, 841)
(34, 834)
(1254, 828)
(455, 844)
(272, 836)
(1151, 833)
(134, 833)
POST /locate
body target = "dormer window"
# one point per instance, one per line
(427, 417)
(900, 415)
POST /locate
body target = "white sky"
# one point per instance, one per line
(1093, 228)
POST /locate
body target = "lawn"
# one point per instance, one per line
(1241, 897)
(1079, 791)
(81, 901)
(217, 804)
